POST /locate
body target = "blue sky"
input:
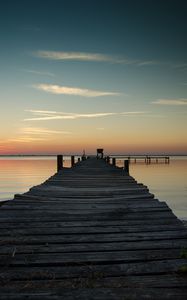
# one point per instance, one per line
(85, 74)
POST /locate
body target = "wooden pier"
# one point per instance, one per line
(91, 232)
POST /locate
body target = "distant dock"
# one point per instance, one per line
(148, 159)
(91, 232)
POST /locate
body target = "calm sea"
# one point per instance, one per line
(167, 181)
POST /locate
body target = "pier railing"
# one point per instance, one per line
(73, 158)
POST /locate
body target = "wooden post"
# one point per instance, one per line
(126, 165)
(59, 162)
(72, 160)
(113, 161)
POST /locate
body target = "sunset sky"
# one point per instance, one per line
(88, 74)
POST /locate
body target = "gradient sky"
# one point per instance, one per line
(80, 75)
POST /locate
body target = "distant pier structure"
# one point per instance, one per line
(100, 153)
(148, 159)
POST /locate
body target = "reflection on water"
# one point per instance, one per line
(166, 181)
(18, 175)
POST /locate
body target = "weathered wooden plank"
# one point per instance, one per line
(156, 281)
(105, 270)
(12, 249)
(78, 206)
(69, 173)
(67, 178)
(101, 294)
(89, 180)
(92, 184)
(82, 206)
(43, 188)
(92, 195)
(29, 217)
(113, 199)
(92, 239)
(21, 230)
(57, 259)
(70, 210)
(27, 223)
(56, 191)
(83, 194)
(19, 223)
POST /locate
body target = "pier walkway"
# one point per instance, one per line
(91, 232)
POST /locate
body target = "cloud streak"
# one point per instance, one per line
(36, 134)
(26, 139)
(98, 57)
(74, 91)
(172, 102)
(92, 57)
(42, 131)
(47, 115)
(42, 73)
(81, 56)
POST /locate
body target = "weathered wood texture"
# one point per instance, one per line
(91, 232)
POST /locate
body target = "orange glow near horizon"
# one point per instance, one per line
(91, 146)
(120, 137)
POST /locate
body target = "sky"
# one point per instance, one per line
(88, 74)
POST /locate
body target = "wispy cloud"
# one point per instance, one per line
(99, 57)
(81, 56)
(69, 116)
(40, 115)
(174, 102)
(42, 131)
(180, 65)
(42, 111)
(26, 139)
(86, 56)
(100, 128)
(36, 134)
(56, 89)
(146, 63)
(42, 73)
